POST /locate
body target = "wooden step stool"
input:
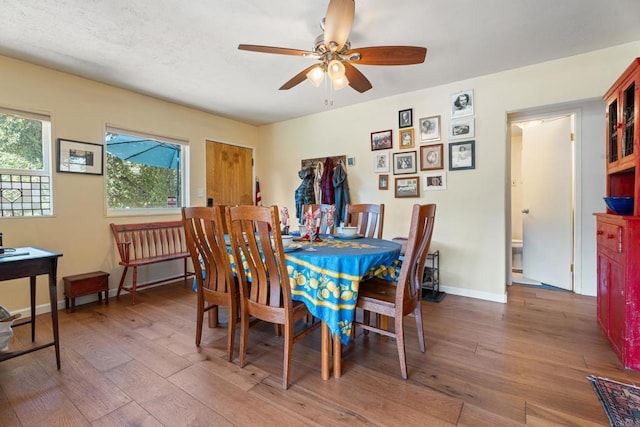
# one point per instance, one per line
(85, 284)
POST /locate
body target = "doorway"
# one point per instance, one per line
(229, 174)
(542, 199)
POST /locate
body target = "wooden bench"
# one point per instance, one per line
(147, 244)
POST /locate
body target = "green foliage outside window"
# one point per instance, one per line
(20, 143)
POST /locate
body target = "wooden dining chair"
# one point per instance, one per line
(265, 292)
(216, 284)
(400, 299)
(325, 228)
(368, 218)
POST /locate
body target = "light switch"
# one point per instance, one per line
(200, 192)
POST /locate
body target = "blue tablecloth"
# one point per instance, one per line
(327, 279)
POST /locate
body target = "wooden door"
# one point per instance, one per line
(229, 174)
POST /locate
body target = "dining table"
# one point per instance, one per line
(325, 275)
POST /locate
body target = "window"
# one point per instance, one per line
(143, 171)
(25, 164)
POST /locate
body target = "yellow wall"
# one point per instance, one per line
(79, 110)
(471, 218)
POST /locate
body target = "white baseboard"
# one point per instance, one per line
(475, 294)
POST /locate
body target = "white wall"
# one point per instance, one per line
(79, 109)
(470, 227)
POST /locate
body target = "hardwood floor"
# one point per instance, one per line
(525, 362)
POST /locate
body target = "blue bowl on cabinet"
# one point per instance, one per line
(620, 205)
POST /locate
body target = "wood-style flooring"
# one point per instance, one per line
(487, 364)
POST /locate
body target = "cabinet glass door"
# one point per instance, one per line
(628, 117)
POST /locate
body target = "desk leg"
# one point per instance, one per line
(32, 294)
(337, 356)
(53, 298)
(325, 350)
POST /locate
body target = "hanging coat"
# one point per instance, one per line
(304, 193)
(327, 182)
(341, 192)
(316, 183)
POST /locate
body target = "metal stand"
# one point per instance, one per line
(431, 279)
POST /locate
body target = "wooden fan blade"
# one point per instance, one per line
(337, 22)
(389, 55)
(357, 80)
(278, 50)
(297, 79)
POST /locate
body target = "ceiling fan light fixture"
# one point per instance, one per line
(316, 75)
(340, 83)
(335, 69)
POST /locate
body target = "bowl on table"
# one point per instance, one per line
(348, 231)
(620, 205)
(287, 239)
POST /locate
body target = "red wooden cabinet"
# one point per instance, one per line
(618, 237)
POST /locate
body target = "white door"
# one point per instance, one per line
(547, 202)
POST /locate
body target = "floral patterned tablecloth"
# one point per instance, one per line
(327, 279)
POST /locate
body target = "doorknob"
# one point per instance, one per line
(525, 211)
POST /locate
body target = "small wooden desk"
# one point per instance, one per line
(31, 262)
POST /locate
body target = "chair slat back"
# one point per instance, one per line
(410, 281)
(205, 237)
(325, 227)
(264, 280)
(369, 219)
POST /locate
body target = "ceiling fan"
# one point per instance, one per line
(336, 57)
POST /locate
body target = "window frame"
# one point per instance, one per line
(184, 167)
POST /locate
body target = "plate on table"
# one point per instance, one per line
(350, 237)
(292, 247)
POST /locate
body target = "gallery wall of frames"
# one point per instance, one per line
(424, 152)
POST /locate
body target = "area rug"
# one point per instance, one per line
(621, 402)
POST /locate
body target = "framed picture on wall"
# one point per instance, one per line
(79, 157)
(408, 187)
(404, 163)
(431, 157)
(462, 155)
(435, 181)
(430, 128)
(462, 104)
(405, 118)
(406, 138)
(381, 162)
(381, 140)
(462, 128)
(383, 182)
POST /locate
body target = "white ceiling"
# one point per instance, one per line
(186, 51)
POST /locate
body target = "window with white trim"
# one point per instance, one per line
(25, 164)
(143, 171)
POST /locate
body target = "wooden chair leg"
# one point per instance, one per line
(213, 317)
(399, 331)
(419, 327)
(288, 353)
(366, 319)
(231, 331)
(121, 284)
(199, 319)
(134, 283)
(244, 336)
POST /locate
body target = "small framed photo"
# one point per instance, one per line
(381, 162)
(462, 155)
(351, 161)
(430, 128)
(406, 138)
(431, 157)
(80, 157)
(404, 163)
(435, 181)
(383, 182)
(381, 140)
(462, 128)
(462, 104)
(405, 118)
(408, 187)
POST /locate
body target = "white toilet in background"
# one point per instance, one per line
(516, 255)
